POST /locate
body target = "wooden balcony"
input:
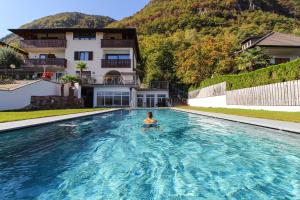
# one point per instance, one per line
(117, 43)
(120, 63)
(27, 44)
(60, 62)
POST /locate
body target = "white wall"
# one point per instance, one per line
(220, 102)
(98, 54)
(214, 102)
(21, 97)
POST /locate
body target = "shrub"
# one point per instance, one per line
(273, 74)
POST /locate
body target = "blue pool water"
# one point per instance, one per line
(109, 156)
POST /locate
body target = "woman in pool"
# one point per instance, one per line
(149, 121)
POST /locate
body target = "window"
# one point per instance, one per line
(110, 99)
(83, 55)
(117, 56)
(281, 60)
(84, 36)
(43, 56)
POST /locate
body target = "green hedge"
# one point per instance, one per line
(273, 74)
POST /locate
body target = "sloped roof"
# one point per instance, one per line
(279, 39)
(21, 51)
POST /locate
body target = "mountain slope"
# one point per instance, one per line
(65, 20)
(190, 30)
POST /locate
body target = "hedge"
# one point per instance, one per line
(273, 74)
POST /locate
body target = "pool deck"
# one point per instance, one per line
(9, 126)
(267, 123)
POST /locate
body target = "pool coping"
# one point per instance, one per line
(266, 123)
(15, 125)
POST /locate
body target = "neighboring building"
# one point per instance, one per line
(112, 56)
(20, 51)
(279, 46)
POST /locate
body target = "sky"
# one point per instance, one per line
(15, 13)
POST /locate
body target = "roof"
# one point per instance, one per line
(275, 39)
(23, 32)
(21, 51)
(280, 39)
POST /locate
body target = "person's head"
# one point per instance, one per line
(149, 115)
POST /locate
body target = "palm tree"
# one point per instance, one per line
(81, 66)
(252, 59)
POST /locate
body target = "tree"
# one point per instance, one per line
(69, 79)
(252, 59)
(209, 56)
(81, 66)
(8, 57)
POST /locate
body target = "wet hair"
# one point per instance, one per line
(150, 115)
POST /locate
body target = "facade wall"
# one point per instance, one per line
(282, 52)
(20, 98)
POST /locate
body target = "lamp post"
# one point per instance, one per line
(12, 66)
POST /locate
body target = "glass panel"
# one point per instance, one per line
(161, 96)
(112, 57)
(150, 95)
(100, 101)
(125, 56)
(125, 100)
(108, 100)
(140, 95)
(117, 101)
(125, 93)
(83, 55)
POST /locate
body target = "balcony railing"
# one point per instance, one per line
(117, 43)
(159, 85)
(49, 61)
(117, 63)
(25, 44)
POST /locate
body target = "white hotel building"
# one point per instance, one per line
(112, 55)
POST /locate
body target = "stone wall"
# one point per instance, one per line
(55, 102)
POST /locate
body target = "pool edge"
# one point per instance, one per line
(265, 123)
(22, 124)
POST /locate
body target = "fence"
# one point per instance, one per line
(278, 94)
(211, 91)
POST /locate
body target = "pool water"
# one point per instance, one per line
(110, 156)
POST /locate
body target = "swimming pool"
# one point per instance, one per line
(109, 156)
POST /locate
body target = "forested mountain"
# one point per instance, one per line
(64, 20)
(190, 40)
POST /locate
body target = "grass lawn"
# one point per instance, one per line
(283, 116)
(22, 115)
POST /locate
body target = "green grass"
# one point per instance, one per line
(282, 116)
(22, 115)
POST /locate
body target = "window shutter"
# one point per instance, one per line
(90, 55)
(76, 55)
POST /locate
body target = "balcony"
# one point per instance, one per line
(159, 85)
(61, 62)
(50, 43)
(117, 43)
(116, 63)
(118, 80)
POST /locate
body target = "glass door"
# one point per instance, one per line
(150, 100)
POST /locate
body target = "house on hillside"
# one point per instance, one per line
(18, 50)
(112, 56)
(279, 47)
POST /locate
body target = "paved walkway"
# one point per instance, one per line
(8, 126)
(274, 124)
